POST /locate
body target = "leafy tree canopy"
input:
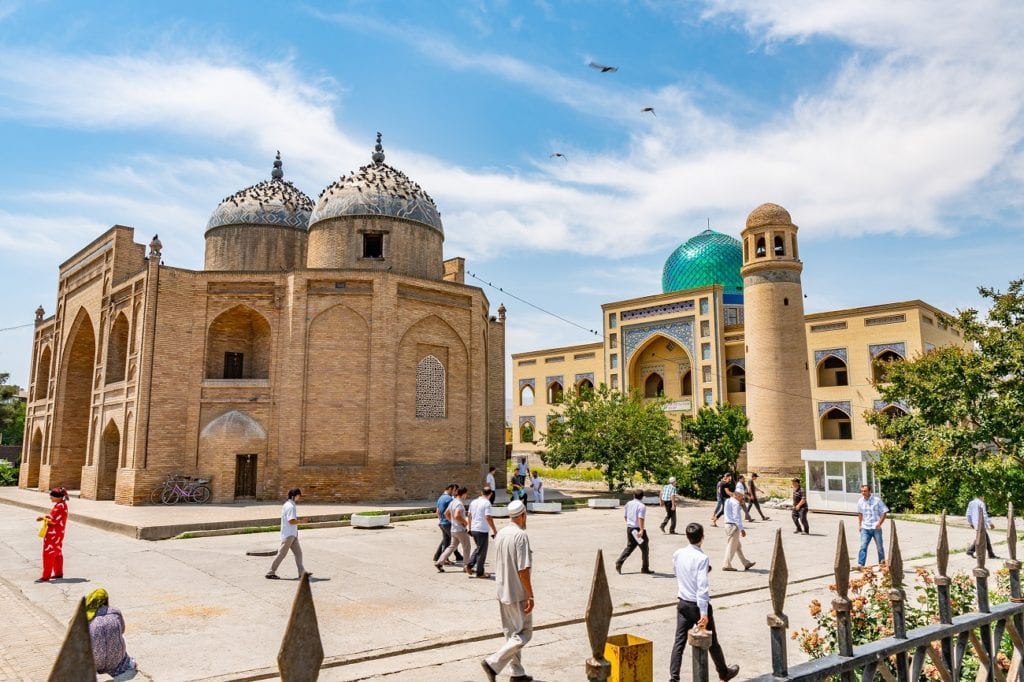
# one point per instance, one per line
(623, 435)
(712, 441)
(964, 433)
(12, 413)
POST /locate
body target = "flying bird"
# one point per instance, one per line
(602, 68)
(559, 155)
(648, 110)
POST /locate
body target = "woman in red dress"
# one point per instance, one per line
(56, 523)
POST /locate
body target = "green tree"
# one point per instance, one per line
(712, 441)
(12, 413)
(963, 433)
(622, 435)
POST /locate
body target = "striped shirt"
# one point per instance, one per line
(668, 492)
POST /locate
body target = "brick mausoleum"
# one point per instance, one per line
(325, 345)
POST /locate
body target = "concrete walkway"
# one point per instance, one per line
(201, 609)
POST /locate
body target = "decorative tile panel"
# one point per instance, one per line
(527, 382)
(841, 405)
(680, 307)
(523, 420)
(585, 375)
(879, 348)
(550, 380)
(431, 402)
(880, 405)
(737, 362)
(678, 329)
(820, 355)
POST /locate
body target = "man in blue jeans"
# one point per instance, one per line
(871, 513)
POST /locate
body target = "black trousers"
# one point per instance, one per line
(670, 516)
(755, 504)
(631, 544)
(800, 517)
(479, 556)
(687, 615)
(446, 539)
(988, 542)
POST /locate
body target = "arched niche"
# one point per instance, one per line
(238, 345)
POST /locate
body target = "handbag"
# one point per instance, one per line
(43, 528)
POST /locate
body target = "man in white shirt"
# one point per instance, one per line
(538, 487)
(978, 511)
(636, 535)
(491, 483)
(871, 513)
(513, 564)
(734, 531)
(289, 535)
(480, 527)
(691, 565)
(456, 514)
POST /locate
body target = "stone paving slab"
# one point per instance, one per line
(201, 609)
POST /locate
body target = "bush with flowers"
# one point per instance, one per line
(871, 613)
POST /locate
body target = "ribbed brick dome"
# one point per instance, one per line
(768, 214)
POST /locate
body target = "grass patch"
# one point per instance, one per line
(588, 474)
(373, 513)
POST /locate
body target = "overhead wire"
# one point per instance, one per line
(19, 326)
(534, 305)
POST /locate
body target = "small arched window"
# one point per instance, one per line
(881, 365)
(526, 395)
(117, 350)
(736, 379)
(430, 389)
(526, 432)
(554, 393)
(584, 387)
(686, 385)
(760, 251)
(835, 425)
(41, 388)
(780, 249)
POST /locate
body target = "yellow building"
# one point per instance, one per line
(724, 304)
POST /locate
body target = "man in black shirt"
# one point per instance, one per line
(800, 508)
(753, 501)
(722, 493)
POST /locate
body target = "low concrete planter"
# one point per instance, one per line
(499, 512)
(544, 507)
(652, 500)
(602, 503)
(367, 521)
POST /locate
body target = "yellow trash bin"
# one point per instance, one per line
(632, 658)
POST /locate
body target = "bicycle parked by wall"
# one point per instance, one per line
(178, 488)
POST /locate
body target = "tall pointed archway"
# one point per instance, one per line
(74, 399)
(106, 471)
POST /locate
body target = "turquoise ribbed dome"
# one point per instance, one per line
(709, 258)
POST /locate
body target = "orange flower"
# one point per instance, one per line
(815, 607)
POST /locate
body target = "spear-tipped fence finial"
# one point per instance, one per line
(778, 581)
(598, 619)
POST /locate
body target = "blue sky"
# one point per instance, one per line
(891, 131)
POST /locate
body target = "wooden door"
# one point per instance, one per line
(245, 476)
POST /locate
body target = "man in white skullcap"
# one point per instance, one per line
(668, 500)
(513, 560)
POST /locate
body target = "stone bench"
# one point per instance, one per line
(365, 521)
(603, 503)
(499, 512)
(544, 507)
(652, 500)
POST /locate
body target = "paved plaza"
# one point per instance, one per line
(201, 609)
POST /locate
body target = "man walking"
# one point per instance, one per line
(871, 513)
(444, 523)
(741, 488)
(480, 525)
(734, 531)
(752, 495)
(456, 513)
(722, 492)
(289, 535)
(513, 563)
(636, 535)
(491, 483)
(800, 508)
(691, 565)
(668, 500)
(978, 511)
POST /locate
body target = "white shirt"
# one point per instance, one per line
(455, 508)
(536, 483)
(691, 566)
(512, 554)
(871, 511)
(972, 512)
(734, 512)
(289, 512)
(635, 510)
(740, 488)
(479, 512)
(490, 481)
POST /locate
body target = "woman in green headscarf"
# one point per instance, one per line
(106, 629)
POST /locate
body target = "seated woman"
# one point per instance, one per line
(106, 629)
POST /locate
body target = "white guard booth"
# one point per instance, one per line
(834, 477)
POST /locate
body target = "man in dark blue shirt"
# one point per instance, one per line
(446, 526)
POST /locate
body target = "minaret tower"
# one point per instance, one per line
(779, 402)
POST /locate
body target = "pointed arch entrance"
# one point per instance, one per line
(106, 471)
(35, 457)
(661, 368)
(74, 400)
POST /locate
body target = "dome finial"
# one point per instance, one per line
(277, 173)
(378, 152)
